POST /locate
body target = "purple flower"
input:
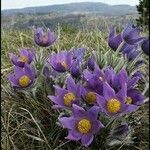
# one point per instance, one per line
(114, 104)
(75, 69)
(26, 56)
(94, 79)
(89, 95)
(145, 46)
(91, 62)
(114, 40)
(134, 97)
(82, 125)
(130, 34)
(66, 97)
(78, 53)
(22, 77)
(42, 38)
(61, 61)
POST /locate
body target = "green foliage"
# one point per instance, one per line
(28, 121)
(143, 9)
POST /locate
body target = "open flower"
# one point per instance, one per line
(114, 40)
(145, 46)
(61, 61)
(25, 56)
(66, 97)
(114, 104)
(89, 95)
(22, 77)
(42, 38)
(131, 34)
(82, 125)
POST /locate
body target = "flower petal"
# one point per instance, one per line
(87, 139)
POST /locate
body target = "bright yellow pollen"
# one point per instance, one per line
(24, 59)
(64, 64)
(91, 97)
(113, 105)
(84, 126)
(24, 81)
(128, 100)
(68, 98)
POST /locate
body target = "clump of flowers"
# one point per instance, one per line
(94, 100)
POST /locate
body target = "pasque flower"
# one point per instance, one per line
(94, 79)
(65, 97)
(91, 62)
(82, 125)
(25, 56)
(114, 40)
(75, 69)
(145, 46)
(131, 34)
(22, 77)
(44, 39)
(61, 61)
(114, 104)
(78, 53)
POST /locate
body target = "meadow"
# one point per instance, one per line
(28, 121)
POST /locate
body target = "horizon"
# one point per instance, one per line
(6, 4)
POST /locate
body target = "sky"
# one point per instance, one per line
(9, 4)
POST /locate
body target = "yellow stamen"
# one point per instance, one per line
(113, 105)
(24, 59)
(91, 97)
(84, 126)
(128, 100)
(24, 81)
(68, 98)
(64, 64)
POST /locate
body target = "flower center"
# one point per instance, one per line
(45, 38)
(84, 126)
(68, 98)
(24, 59)
(91, 97)
(24, 81)
(113, 105)
(64, 64)
(128, 100)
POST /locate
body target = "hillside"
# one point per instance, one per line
(85, 7)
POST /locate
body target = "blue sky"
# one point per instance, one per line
(8, 4)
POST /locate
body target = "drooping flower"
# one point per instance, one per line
(131, 34)
(44, 39)
(145, 46)
(75, 69)
(114, 104)
(22, 77)
(91, 62)
(78, 53)
(94, 79)
(134, 97)
(61, 61)
(82, 125)
(65, 97)
(25, 56)
(114, 40)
